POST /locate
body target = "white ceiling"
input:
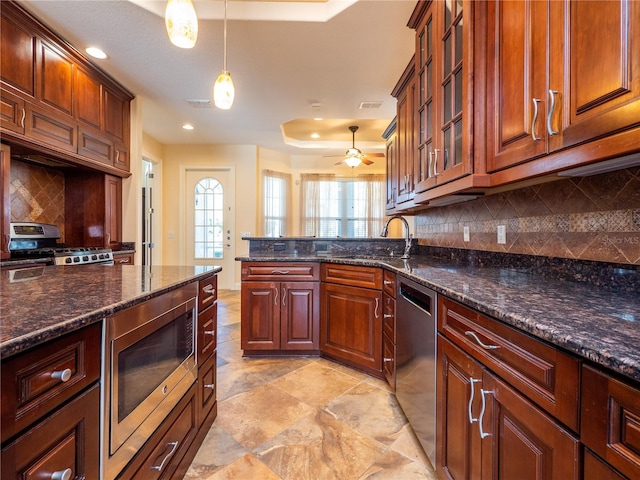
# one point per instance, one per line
(285, 67)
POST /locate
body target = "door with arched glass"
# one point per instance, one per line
(208, 225)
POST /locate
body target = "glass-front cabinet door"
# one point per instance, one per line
(444, 68)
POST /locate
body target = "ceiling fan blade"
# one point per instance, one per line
(366, 161)
(380, 155)
(341, 162)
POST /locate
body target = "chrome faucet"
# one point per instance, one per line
(407, 238)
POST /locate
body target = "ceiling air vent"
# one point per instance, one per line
(200, 102)
(369, 105)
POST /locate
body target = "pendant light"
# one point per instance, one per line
(223, 89)
(182, 23)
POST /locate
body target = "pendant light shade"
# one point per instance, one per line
(223, 90)
(182, 23)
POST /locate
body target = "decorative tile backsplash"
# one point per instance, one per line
(37, 194)
(587, 218)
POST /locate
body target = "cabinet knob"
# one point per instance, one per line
(62, 474)
(210, 332)
(210, 386)
(62, 375)
(388, 315)
(387, 360)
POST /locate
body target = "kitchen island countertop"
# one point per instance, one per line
(42, 303)
(584, 319)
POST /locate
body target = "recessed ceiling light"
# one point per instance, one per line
(318, 119)
(315, 135)
(187, 126)
(95, 52)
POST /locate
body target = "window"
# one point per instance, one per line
(342, 207)
(208, 221)
(276, 193)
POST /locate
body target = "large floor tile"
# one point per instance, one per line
(319, 447)
(256, 416)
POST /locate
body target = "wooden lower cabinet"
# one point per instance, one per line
(488, 430)
(351, 326)
(64, 445)
(610, 422)
(280, 316)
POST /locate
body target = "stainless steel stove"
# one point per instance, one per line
(30, 240)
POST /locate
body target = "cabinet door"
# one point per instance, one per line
(520, 441)
(17, 55)
(5, 196)
(116, 115)
(113, 209)
(406, 144)
(458, 454)
(260, 316)
(300, 316)
(392, 171)
(87, 99)
(351, 326)
(517, 82)
(12, 112)
(594, 69)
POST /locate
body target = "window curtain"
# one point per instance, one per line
(376, 203)
(275, 202)
(310, 202)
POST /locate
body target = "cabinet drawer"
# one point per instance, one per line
(389, 283)
(39, 380)
(280, 271)
(68, 440)
(120, 259)
(543, 373)
(207, 333)
(162, 453)
(610, 421)
(207, 387)
(352, 275)
(389, 317)
(207, 292)
(389, 361)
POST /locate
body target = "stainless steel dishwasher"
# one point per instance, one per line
(416, 319)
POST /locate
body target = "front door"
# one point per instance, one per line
(209, 221)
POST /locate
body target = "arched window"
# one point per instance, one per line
(208, 221)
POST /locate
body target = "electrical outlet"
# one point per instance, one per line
(465, 233)
(502, 234)
(245, 234)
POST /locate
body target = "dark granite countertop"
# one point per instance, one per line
(42, 303)
(584, 319)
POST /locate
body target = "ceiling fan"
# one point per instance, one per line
(354, 156)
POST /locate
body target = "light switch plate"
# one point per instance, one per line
(502, 234)
(465, 233)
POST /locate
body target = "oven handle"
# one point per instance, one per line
(174, 446)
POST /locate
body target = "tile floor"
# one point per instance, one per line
(296, 418)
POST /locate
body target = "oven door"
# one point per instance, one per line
(149, 364)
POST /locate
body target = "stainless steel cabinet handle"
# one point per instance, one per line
(284, 294)
(387, 360)
(210, 386)
(62, 474)
(388, 282)
(210, 332)
(123, 260)
(62, 375)
(483, 392)
(24, 115)
(174, 446)
(471, 334)
(387, 315)
(430, 165)
(552, 97)
(209, 289)
(275, 299)
(117, 156)
(279, 272)
(472, 381)
(375, 312)
(536, 101)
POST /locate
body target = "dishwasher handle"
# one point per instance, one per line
(422, 300)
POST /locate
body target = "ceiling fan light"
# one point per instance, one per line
(182, 23)
(352, 161)
(224, 91)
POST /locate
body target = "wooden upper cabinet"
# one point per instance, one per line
(444, 72)
(561, 73)
(17, 55)
(5, 196)
(53, 96)
(597, 92)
